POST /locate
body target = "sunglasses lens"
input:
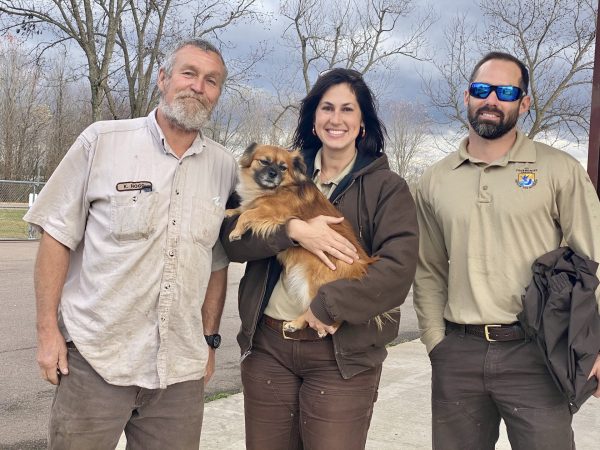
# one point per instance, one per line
(504, 93)
(508, 93)
(480, 90)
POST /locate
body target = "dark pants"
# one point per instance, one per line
(88, 413)
(295, 397)
(475, 383)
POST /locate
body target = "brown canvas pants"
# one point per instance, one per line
(295, 397)
(475, 383)
(88, 413)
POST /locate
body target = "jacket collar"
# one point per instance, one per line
(364, 163)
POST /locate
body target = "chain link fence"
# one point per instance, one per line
(15, 199)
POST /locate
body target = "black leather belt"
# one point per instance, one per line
(305, 334)
(491, 333)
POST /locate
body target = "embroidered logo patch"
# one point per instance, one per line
(145, 186)
(526, 179)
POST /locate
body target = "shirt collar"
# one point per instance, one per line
(523, 150)
(197, 146)
(335, 181)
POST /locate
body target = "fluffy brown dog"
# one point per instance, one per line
(274, 189)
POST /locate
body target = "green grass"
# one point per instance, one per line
(218, 396)
(12, 225)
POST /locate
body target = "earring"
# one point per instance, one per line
(313, 131)
(364, 131)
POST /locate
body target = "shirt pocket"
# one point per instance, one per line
(206, 222)
(133, 216)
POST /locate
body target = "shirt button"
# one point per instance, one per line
(174, 222)
(177, 192)
(484, 188)
(162, 318)
(171, 253)
(167, 286)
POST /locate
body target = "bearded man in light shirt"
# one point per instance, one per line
(486, 213)
(130, 277)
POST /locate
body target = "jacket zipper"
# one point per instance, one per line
(334, 339)
(262, 299)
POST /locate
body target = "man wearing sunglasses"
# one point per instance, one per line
(486, 213)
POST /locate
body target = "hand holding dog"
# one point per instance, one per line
(316, 236)
(319, 326)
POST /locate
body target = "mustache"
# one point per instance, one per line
(490, 109)
(200, 98)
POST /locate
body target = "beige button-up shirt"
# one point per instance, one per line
(483, 225)
(142, 226)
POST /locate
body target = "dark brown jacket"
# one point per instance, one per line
(378, 204)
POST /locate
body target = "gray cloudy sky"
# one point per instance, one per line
(404, 80)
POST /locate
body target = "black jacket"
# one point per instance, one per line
(378, 204)
(561, 314)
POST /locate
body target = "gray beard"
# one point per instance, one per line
(492, 130)
(181, 117)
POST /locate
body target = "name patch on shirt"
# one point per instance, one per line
(134, 186)
(526, 179)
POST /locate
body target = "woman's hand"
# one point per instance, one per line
(319, 326)
(316, 236)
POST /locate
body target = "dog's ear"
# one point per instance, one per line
(298, 162)
(246, 158)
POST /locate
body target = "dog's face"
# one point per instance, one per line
(267, 167)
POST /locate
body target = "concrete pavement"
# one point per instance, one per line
(402, 415)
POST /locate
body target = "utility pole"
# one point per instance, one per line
(594, 146)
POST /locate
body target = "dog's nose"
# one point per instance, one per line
(272, 172)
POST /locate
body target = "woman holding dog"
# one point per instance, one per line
(315, 388)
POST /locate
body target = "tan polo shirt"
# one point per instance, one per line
(142, 226)
(281, 306)
(483, 225)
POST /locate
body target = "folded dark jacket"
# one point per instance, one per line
(561, 314)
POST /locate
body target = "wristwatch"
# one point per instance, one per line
(213, 340)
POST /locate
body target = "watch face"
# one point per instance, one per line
(214, 340)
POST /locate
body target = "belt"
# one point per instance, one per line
(305, 334)
(491, 333)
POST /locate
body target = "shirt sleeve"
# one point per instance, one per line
(579, 213)
(219, 258)
(61, 208)
(431, 280)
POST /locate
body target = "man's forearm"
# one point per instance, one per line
(51, 268)
(214, 301)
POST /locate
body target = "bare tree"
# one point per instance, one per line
(352, 34)
(91, 24)
(408, 127)
(555, 40)
(122, 40)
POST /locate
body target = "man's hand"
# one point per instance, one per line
(210, 365)
(319, 326)
(52, 355)
(596, 373)
(316, 236)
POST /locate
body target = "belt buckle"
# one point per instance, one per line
(285, 336)
(487, 332)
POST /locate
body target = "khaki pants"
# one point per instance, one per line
(88, 413)
(475, 383)
(295, 397)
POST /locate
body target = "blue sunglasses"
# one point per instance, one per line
(504, 93)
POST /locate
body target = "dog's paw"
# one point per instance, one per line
(234, 236)
(290, 327)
